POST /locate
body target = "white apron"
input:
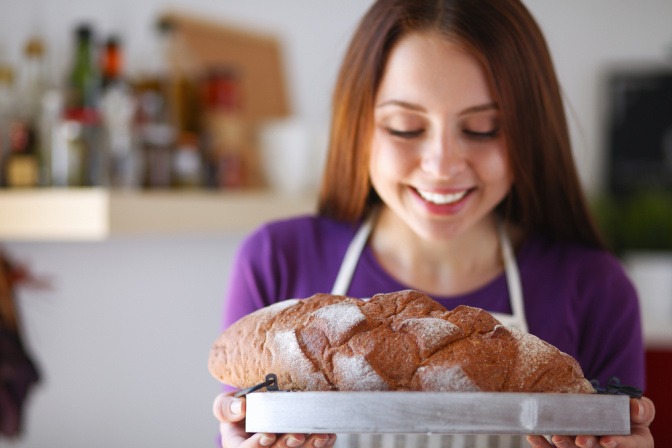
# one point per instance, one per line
(515, 320)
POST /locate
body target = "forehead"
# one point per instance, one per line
(429, 68)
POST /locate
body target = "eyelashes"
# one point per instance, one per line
(405, 134)
(415, 133)
(482, 135)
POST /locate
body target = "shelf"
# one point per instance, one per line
(94, 214)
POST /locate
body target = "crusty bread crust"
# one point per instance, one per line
(396, 341)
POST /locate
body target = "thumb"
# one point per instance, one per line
(228, 408)
(642, 411)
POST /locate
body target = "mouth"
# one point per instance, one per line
(442, 198)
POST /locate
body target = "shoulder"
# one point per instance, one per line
(575, 280)
(299, 255)
(586, 285)
(571, 260)
(294, 257)
(299, 231)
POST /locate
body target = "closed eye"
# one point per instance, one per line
(405, 134)
(481, 135)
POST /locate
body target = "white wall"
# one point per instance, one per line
(122, 338)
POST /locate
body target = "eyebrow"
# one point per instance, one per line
(416, 107)
(404, 104)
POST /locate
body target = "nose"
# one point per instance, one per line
(443, 158)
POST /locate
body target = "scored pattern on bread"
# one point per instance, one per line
(397, 341)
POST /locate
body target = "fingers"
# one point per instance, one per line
(587, 442)
(305, 441)
(233, 438)
(563, 442)
(538, 442)
(320, 441)
(228, 408)
(232, 435)
(575, 442)
(280, 441)
(642, 413)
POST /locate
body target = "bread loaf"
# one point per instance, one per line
(397, 341)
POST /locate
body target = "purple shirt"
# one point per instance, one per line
(576, 298)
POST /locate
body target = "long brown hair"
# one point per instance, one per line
(502, 34)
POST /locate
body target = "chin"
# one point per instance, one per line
(437, 231)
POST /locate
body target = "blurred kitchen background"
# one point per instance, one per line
(126, 197)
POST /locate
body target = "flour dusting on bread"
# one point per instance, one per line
(339, 320)
(430, 332)
(355, 373)
(275, 308)
(285, 350)
(442, 379)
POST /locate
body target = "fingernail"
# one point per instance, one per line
(585, 442)
(266, 440)
(608, 444)
(236, 406)
(640, 410)
(319, 443)
(293, 441)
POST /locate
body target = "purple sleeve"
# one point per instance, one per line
(250, 282)
(246, 291)
(285, 259)
(581, 300)
(610, 324)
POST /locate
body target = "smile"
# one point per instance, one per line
(442, 198)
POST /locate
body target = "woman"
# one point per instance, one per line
(450, 172)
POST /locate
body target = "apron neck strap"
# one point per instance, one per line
(353, 253)
(512, 278)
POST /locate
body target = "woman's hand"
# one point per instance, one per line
(642, 412)
(230, 411)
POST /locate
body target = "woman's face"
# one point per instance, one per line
(438, 155)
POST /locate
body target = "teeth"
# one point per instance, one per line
(441, 199)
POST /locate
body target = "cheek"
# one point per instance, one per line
(389, 161)
(494, 167)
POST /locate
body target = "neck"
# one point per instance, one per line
(443, 268)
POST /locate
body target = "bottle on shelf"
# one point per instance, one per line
(83, 87)
(118, 112)
(79, 159)
(225, 129)
(187, 163)
(23, 166)
(6, 110)
(158, 141)
(112, 63)
(51, 119)
(32, 80)
(156, 125)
